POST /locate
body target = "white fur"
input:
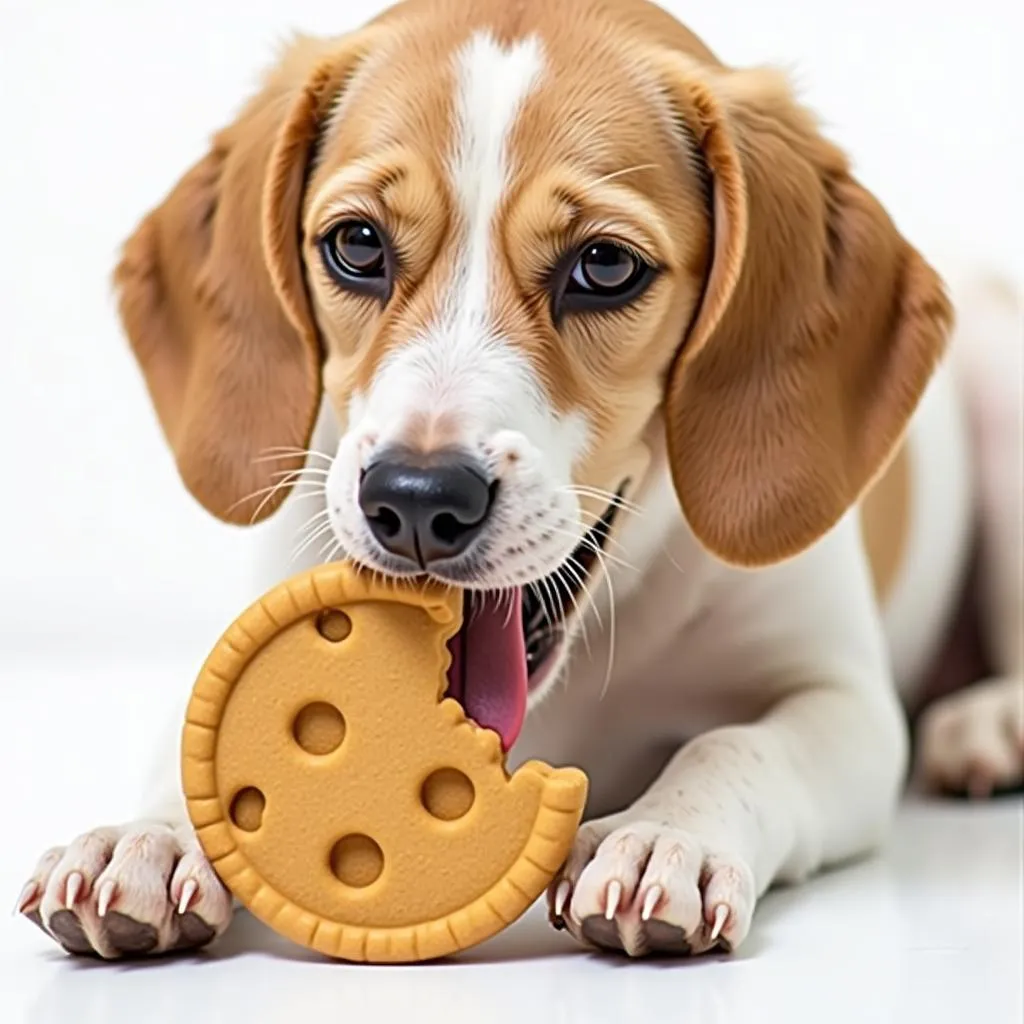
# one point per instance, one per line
(493, 83)
(921, 601)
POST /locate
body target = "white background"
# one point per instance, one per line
(113, 583)
(104, 103)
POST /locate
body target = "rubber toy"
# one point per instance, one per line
(342, 798)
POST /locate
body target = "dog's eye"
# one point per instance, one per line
(605, 268)
(354, 249)
(603, 275)
(356, 256)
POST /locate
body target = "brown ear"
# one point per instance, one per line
(818, 329)
(213, 297)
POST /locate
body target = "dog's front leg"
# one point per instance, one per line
(735, 810)
(808, 774)
(140, 888)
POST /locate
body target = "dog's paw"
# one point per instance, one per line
(642, 887)
(124, 892)
(973, 740)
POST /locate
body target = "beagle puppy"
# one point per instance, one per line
(544, 301)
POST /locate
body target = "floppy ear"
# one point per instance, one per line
(817, 332)
(213, 296)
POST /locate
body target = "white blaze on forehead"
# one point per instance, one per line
(461, 367)
(492, 83)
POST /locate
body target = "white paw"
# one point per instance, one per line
(973, 740)
(642, 887)
(131, 891)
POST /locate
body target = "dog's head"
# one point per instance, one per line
(531, 253)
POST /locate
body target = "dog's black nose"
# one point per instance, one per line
(425, 508)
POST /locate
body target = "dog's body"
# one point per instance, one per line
(791, 495)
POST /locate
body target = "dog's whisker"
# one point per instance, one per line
(591, 545)
(252, 496)
(291, 477)
(307, 535)
(279, 452)
(611, 627)
(581, 619)
(570, 567)
(616, 500)
(560, 594)
(310, 540)
(672, 559)
(533, 586)
(303, 471)
(313, 520)
(317, 490)
(541, 618)
(608, 541)
(263, 459)
(597, 516)
(597, 615)
(564, 589)
(315, 517)
(600, 515)
(268, 493)
(580, 575)
(287, 477)
(329, 551)
(551, 599)
(508, 594)
(590, 542)
(296, 490)
(612, 497)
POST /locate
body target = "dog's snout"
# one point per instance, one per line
(425, 508)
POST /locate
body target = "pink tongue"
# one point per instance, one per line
(488, 674)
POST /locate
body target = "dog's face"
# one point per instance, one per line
(530, 257)
(500, 286)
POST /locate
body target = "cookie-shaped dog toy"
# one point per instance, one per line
(346, 801)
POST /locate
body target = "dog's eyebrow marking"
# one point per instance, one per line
(493, 83)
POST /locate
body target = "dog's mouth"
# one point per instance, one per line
(510, 639)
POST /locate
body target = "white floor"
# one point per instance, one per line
(931, 931)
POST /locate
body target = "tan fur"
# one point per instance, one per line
(885, 521)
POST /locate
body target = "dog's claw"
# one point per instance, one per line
(650, 902)
(188, 893)
(721, 916)
(26, 898)
(106, 897)
(612, 898)
(562, 896)
(73, 889)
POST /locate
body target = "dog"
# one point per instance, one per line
(546, 302)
